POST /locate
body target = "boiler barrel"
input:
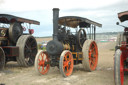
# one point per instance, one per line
(54, 47)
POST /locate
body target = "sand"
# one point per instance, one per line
(103, 75)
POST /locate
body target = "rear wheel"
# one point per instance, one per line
(42, 62)
(118, 68)
(66, 63)
(90, 55)
(27, 50)
(2, 59)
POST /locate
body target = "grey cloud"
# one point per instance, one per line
(117, 6)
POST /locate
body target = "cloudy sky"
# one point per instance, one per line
(102, 11)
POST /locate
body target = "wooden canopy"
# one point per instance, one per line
(123, 16)
(6, 18)
(74, 21)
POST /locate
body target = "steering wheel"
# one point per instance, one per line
(81, 37)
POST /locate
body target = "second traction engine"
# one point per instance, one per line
(64, 39)
(69, 46)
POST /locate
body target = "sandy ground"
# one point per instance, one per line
(43, 39)
(15, 75)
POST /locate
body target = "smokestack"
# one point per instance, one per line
(55, 23)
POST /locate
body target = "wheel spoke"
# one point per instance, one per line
(30, 59)
(65, 64)
(65, 58)
(27, 46)
(92, 62)
(33, 48)
(45, 59)
(33, 54)
(94, 56)
(27, 55)
(42, 55)
(31, 42)
(42, 69)
(93, 49)
(67, 68)
(70, 59)
(39, 59)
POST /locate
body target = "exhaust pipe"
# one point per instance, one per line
(55, 23)
(55, 47)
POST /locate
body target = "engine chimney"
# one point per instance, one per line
(55, 23)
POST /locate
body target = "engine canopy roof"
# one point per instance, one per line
(7, 18)
(74, 21)
(123, 16)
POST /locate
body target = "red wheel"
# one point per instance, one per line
(66, 63)
(119, 68)
(42, 62)
(90, 55)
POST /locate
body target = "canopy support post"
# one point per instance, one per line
(94, 32)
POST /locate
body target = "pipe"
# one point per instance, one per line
(55, 23)
(94, 32)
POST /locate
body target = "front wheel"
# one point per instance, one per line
(66, 63)
(118, 68)
(42, 62)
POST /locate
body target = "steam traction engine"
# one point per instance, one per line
(14, 44)
(121, 54)
(69, 48)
